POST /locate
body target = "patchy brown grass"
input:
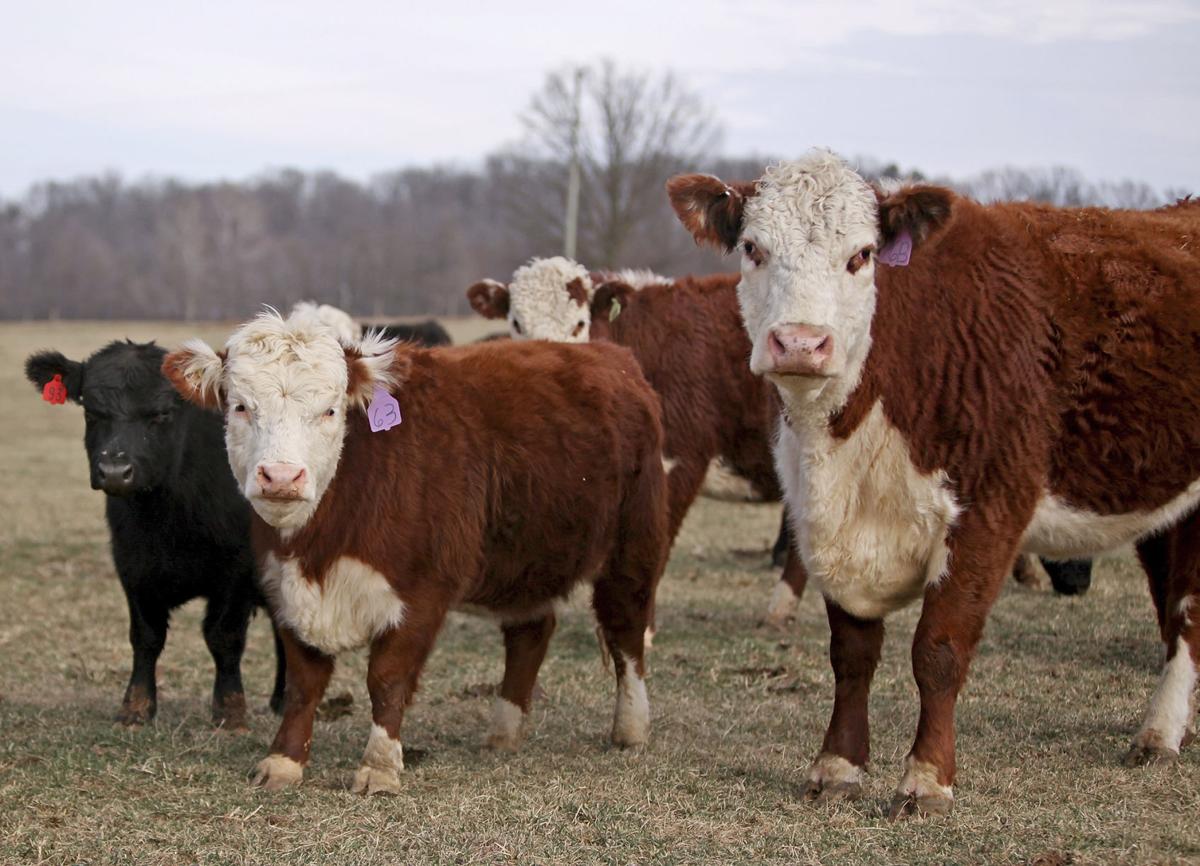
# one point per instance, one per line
(1054, 696)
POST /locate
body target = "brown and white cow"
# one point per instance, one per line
(511, 475)
(1026, 381)
(685, 334)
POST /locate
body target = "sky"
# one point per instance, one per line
(211, 90)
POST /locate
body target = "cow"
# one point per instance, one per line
(962, 382)
(427, 333)
(685, 335)
(390, 484)
(178, 525)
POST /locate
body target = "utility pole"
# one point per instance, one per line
(572, 218)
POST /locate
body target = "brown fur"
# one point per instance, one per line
(489, 298)
(520, 470)
(1025, 348)
(718, 221)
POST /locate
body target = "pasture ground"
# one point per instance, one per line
(1054, 696)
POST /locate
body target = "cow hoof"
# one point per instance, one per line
(369, 781)
(923, 806)
(816, 791)
(782, 607)
(276, 772)
(134, 717)
(1139, 755)
(229, 714)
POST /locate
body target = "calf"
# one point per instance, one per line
(496, 479)
(686, 337)
(179, 527)
(963, 382)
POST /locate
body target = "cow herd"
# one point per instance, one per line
(934, 388)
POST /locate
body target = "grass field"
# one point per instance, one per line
(1054, 696)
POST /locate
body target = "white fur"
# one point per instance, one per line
(869, 527)
(353, 605)
(921, 780)
(203, 368)
(507, 725)
(539, 302)
(331, 317)
(1171, 709)
(288, 375)
(382, 763)
(631, 721)
(278, 771)
(721, 482)
(782, 604)
(829, 769)
(1185, 609)
(1061, 531)
(638, 278)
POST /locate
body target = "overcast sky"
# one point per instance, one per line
(228, 89)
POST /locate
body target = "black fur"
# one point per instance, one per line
(427, 333)
(179, 526)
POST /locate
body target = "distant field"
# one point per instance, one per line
(1055, 694)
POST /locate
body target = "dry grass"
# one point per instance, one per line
(1054, 696)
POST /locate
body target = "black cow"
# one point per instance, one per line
(427, 333)
(179, 526)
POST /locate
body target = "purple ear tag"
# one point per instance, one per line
(384, 411)
(897, 251)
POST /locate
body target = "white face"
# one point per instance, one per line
(808, 269)
(285, 402)
(542, 306)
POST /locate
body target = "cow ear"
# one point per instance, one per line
(195, 371)
(375, 362)
(920, 210)
(610, 299)
(710, 208)
(42, 367)
(489, 298)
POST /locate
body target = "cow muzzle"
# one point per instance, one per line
(115, 475)
(800, 350)
(281, 481)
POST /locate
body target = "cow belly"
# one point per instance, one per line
(1060, 530)
(349, 607)
(869, 526)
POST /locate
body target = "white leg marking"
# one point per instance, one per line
(782, 604)
(278, 771)
(1169, 716)
(382, 762)
(832, 776)
(631, 721)
(920, 784)
(507, 727)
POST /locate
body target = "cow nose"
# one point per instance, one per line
(802, 350)
(116, 475)
(282, 480)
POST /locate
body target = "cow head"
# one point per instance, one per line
(808, 233)
(285, 387)
(134, 421)
(548, 299)
(338, 321)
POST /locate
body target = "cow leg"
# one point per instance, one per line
(524, 650)
(787, 592)
(1154, 554)
(1028, 571)
(685, 477)
(397, 658)
(225, 624)
(147, 637)
(622, 617)
(955, 611)
(1071, 577)
(308, 673)
(854, 647)
(1168, 724)
(783, 541)
(278, 692)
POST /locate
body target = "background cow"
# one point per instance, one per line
(179, 527)
(504, 476)
(686, 336)
(962, 382)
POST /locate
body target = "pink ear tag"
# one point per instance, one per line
(384, 411)
(897, 252)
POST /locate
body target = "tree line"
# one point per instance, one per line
(409, 242)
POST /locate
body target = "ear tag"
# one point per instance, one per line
(384, 411)
(897, 251)
(614, 310)
(55, 391)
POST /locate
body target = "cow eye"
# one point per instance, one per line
(240, 408)
(752, 252)
(578, 329)
(516, 326)
(329, 413)
(859, 259)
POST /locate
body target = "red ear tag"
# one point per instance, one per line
(55, 391)
(384, 411)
